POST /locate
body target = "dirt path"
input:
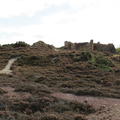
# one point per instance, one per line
(110, 111)
(7, 70)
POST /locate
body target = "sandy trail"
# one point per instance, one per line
(7, 70)
(95, 101)
(110, 111)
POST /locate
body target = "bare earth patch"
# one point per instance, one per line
(109, 113)
(109, 107)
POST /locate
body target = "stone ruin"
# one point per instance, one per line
(91, 46)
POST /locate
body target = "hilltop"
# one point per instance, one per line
(41, 71)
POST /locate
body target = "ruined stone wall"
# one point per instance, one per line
(90, 46)
(68, 45)
(75, 46)
(105, 48)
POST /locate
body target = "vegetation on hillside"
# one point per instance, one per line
(17, 44)
(39, 72)
(118, 50)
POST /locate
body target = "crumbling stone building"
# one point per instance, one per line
(90, 46)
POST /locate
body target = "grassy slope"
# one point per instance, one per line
(64, 71)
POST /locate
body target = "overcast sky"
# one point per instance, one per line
(55, 21)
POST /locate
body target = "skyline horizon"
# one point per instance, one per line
(62, 44)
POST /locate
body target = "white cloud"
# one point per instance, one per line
(84, 20)
(11, 8)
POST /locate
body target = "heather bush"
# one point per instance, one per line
(17, 44)
(20, 44)
(83, 56)
(118, 50)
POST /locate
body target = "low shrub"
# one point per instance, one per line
(116, 57)
(61, 106)
(34, 60)
(2, 91)
(118, 50)
(83, 108)
(17, 44)
(83, 56)
(102, 62)
(92, 92)
(20, 44)
(79, 117)
(49, 117)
